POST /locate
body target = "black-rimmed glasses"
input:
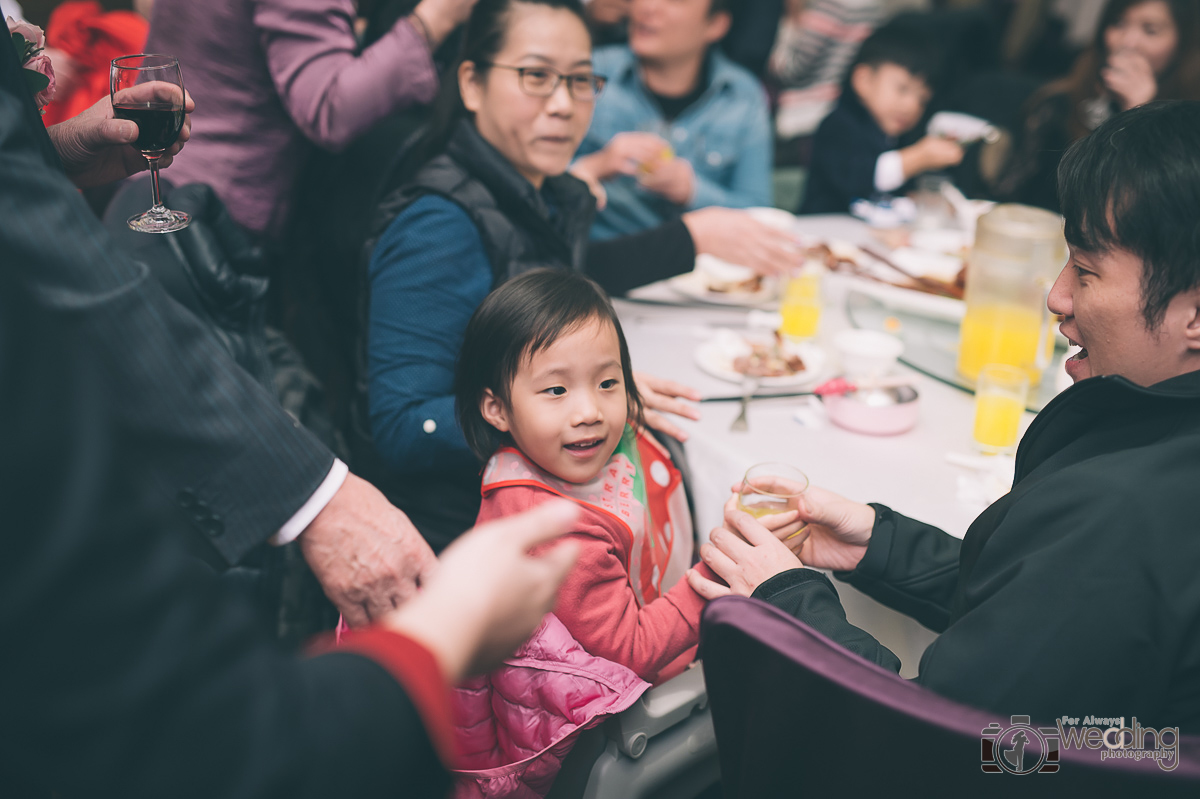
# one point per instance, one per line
(544, 81)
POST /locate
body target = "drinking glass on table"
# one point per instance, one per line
(999, 402)
(800, 308)
(770, 488)
(148, 90)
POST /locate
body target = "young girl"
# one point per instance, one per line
(545, 395)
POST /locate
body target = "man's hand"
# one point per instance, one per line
(608, 12)
(661, 396)
(1130, 78)
(744, 560)
(96, 148)
(630, 153)
(489, 593)
(672, 178)
(735, 236)
(366, 554)
(594, 186)
(826, 531)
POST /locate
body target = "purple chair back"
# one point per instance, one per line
(796, 714)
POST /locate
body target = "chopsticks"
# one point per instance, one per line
(937, 286)
(738, 398)
(837, 385)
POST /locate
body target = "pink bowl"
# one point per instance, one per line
(875, 412)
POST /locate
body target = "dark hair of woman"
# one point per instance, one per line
(523, 317)
(1180, 81)
(482, 38)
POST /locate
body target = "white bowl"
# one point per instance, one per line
(867, 353)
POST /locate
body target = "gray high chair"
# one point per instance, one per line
(662, 747)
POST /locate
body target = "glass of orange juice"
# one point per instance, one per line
(771, 488)
(1000, 394)
(800, 307)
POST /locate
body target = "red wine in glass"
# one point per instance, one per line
(148, 90)
(158, 124)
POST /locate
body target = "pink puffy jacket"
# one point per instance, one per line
(515, 725)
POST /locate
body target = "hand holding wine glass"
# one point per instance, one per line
(148, 90)
(94, 146)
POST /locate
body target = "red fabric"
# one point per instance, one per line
(416, 669)
(92, 37)
(596, 602)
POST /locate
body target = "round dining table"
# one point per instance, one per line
(915, 473)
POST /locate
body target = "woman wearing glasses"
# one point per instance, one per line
(481, 197)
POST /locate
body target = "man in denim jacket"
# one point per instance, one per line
(679, 125)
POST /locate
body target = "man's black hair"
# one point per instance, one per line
(908, 43)
(1134, 184)
(520, 318)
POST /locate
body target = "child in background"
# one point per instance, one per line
(545, 395)
(856, 151)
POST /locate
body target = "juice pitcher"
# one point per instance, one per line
(1018, 253)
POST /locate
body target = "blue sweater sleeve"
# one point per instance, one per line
(428, 274)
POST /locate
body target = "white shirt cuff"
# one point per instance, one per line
(889, 171)
(316, 503)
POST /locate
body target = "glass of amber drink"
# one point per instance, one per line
(770, 488)
(1000, 395)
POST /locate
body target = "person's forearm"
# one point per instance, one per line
(436, 20)
(627, 262)
(909, 566)
(808, 595)
(331, 92)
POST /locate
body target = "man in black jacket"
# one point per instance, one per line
(1076, 593)
(128, 672)
(240, 469)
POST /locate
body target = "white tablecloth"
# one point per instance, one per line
(908, 472)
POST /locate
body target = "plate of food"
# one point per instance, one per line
(736, 354)
(723, 283)
(920, 282)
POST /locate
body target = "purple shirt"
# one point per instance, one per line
(268, 74)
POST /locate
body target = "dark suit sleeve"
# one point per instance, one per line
(627, 262)
(909, 566)
(128, 671)
(222, 447)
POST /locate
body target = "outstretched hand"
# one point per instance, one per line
(733, 235)
(96, 147)
(826, 530)
(367, 555)
(744, 558)
(489, 594)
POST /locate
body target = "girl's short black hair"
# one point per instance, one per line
(520, 318)
(1134, 183)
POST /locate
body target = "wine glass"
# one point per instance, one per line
(148, 89)
(770, 488)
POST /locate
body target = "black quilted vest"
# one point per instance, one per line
(519, 233)
(512, 217)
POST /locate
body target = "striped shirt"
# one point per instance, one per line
(811, 55)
